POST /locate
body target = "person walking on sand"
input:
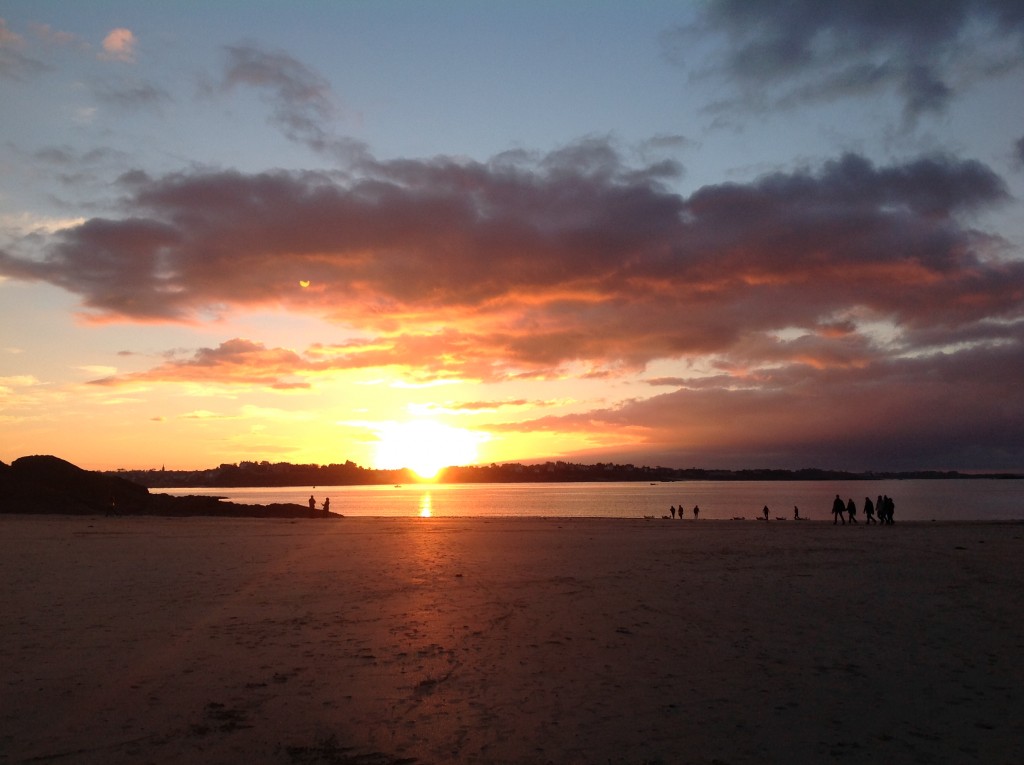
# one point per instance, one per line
(765, 511)
(796, 513)
(672, 510)
(696, 512)
(851, 510)
(890, 508)
(869, 511)
(838, 508)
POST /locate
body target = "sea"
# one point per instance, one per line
(915, 500)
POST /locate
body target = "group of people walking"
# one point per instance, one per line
(682, 511)
(884, 507)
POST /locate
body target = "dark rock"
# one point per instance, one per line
(46, 484)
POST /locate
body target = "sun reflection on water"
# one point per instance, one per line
(426, 508)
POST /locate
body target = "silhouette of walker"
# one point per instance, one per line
(869, 511)
(885, 509)
(838, 508)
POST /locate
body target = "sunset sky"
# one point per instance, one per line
(722, 234)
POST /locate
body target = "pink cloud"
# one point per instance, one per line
(235, 362)
(119, 45)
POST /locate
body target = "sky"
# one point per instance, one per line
(714, 234)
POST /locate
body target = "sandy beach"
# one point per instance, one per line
(162, 640)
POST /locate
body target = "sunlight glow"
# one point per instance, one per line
(426, 506)
(425, 446)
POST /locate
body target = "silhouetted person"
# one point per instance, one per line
(888, 507)
(838, 508)
(672, 510)
(696, 512)
(312, 502)
(765, 511)
(327, 505)
(851, 510)
(869, 511)
(796, 513)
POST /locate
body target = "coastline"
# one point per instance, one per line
(513, 640)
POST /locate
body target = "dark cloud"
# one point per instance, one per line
(796, 51)
(131, 95)
(66, 156)
(302, 102)
(301, 99)
(938, 411)
(574, 256)
(1018, 151)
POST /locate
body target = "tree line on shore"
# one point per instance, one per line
(350, 474)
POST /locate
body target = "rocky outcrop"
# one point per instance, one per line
(47, 484)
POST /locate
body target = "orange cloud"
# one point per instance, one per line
(574, 264)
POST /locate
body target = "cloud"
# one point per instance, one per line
(235, 362)
(57, 37)
(26, 224)
(14, 63)
(119, 45)
(803, 51)
(131, 95)
(521, 266)
(84, 115)
(302, 102)
(943, 411)
(8, 38)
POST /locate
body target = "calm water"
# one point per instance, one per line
(915, 500)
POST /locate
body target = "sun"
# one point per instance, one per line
(425, 446)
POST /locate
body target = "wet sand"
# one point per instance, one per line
(159, 640)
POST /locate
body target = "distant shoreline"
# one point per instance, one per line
(49, 485)
(473, 520)
(283, 474)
